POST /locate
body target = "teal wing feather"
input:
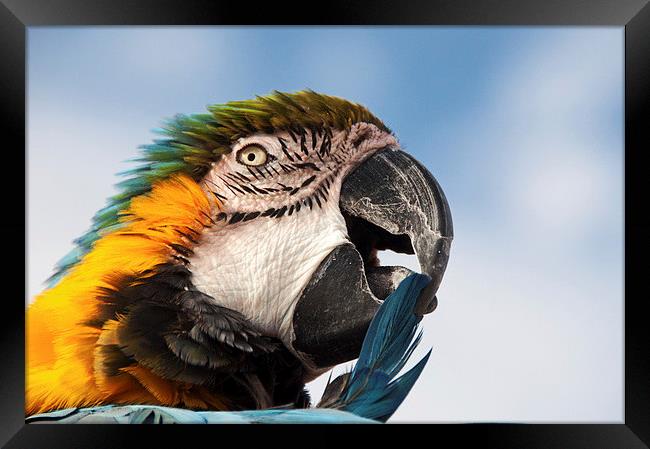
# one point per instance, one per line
(372, 389)
(149, 414)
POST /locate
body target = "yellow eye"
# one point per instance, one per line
(252, 155)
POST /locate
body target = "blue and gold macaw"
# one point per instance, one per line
(238, 262)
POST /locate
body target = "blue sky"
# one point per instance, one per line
(522, 127)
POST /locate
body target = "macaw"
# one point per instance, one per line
(238, 262)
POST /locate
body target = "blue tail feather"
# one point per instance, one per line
(371, 391)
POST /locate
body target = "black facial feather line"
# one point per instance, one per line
(314, 140)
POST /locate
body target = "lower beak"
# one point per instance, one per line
(391, 202)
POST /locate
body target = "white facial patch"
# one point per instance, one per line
(259, 268)
(276, 222)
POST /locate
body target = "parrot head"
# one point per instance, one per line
(302, 192)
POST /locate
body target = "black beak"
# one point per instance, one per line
(390, 202)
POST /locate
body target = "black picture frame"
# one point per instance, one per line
(634, 15)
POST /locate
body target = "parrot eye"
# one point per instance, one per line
(252, 155)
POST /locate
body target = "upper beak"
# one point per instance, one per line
(392, 202)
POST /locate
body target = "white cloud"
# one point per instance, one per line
(560, 160)
(565, 190)
(529, 325)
